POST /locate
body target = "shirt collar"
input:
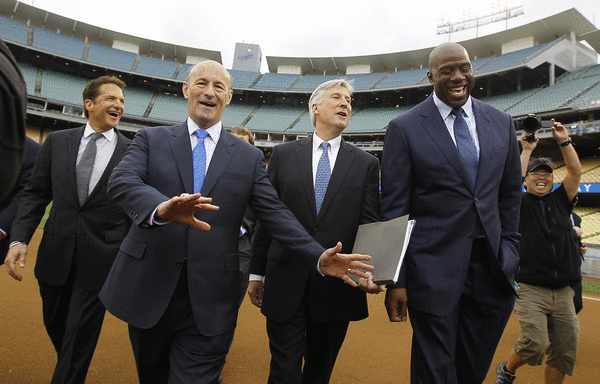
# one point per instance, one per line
(214, 132)
(445, 109)
(334, 143)
(109, 135)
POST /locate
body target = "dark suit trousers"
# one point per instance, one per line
(174, 351)
(318, 343)
(459, 348)
(73, 318)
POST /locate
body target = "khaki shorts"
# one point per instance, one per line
(549, 327)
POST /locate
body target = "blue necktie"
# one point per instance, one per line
(199, 156)
(323, 174)
(466, 146)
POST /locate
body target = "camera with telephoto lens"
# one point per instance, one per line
(531, 123)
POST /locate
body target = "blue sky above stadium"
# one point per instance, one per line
(312, 28)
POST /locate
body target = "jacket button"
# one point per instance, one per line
(476, 199)
(179, 263)
(469, 235)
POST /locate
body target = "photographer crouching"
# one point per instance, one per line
(549, 264)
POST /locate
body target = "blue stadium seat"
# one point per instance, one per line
(56, 43)
(310, 82)
(513, 59)
(236, 114)
(276, 118)
(405, 78)
(110, 57)
(276, 81)
(63, 88)
(169, 108)
(156, 67)
(365, 81)
(13, 30)
(243, 79)
(29, 73)
(136, 101)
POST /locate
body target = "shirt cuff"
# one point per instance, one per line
(255, 277)
(153, 220)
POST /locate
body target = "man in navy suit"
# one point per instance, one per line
(452, 163)
(83, 230)
(307, 314)
(176, 276)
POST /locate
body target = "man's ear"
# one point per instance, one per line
(184, 89)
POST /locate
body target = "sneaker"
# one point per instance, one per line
(503, 376)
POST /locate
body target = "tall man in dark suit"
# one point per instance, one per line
(308, 314)
(176, 277)
(83, 230)
(452, 163)
(9, 205)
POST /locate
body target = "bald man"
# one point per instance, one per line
(176, 277)
(452, 163)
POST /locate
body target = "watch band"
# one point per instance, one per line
(564, 144)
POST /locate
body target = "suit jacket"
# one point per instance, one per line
(352, 198)
(422, 175)
(13, 105)
(158, 166)
(10, 204)
(87, 236)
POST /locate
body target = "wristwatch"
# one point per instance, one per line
(13, 243)
(564, 144)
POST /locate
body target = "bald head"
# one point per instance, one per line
(210, 65)
(443, 50)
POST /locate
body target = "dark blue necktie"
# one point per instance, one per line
(466, 146)
(199, 155)
(323, 174)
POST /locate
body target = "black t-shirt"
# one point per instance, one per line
(548, 254)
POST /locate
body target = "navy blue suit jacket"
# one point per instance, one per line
(422, 175)
(158, 166)
(352, 198)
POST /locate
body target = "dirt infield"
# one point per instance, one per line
(375, 351)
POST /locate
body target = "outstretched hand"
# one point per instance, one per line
(181, 209)
(336, 264)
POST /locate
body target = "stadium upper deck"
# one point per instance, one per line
(542, 67)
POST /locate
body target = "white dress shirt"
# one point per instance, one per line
(448, 117)
(105, 147)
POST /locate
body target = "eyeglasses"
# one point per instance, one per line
(540, 174)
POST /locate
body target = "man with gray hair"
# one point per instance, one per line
(331, 187)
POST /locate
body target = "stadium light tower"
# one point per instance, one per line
(476, 13)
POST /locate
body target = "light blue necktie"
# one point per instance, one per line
(466, 146)
(323, 174)
(199, 156)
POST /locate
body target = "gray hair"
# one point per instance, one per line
(317, 94)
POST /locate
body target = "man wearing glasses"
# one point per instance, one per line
(549, 264)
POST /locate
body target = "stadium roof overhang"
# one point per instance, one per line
(53, 22)
(542, 31)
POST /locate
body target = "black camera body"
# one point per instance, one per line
(531, 123)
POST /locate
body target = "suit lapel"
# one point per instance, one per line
(223, 154)
(487, 136)
(72, 148)
(182, 152)
(304, 157)
(436, 128)
(343, 162)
